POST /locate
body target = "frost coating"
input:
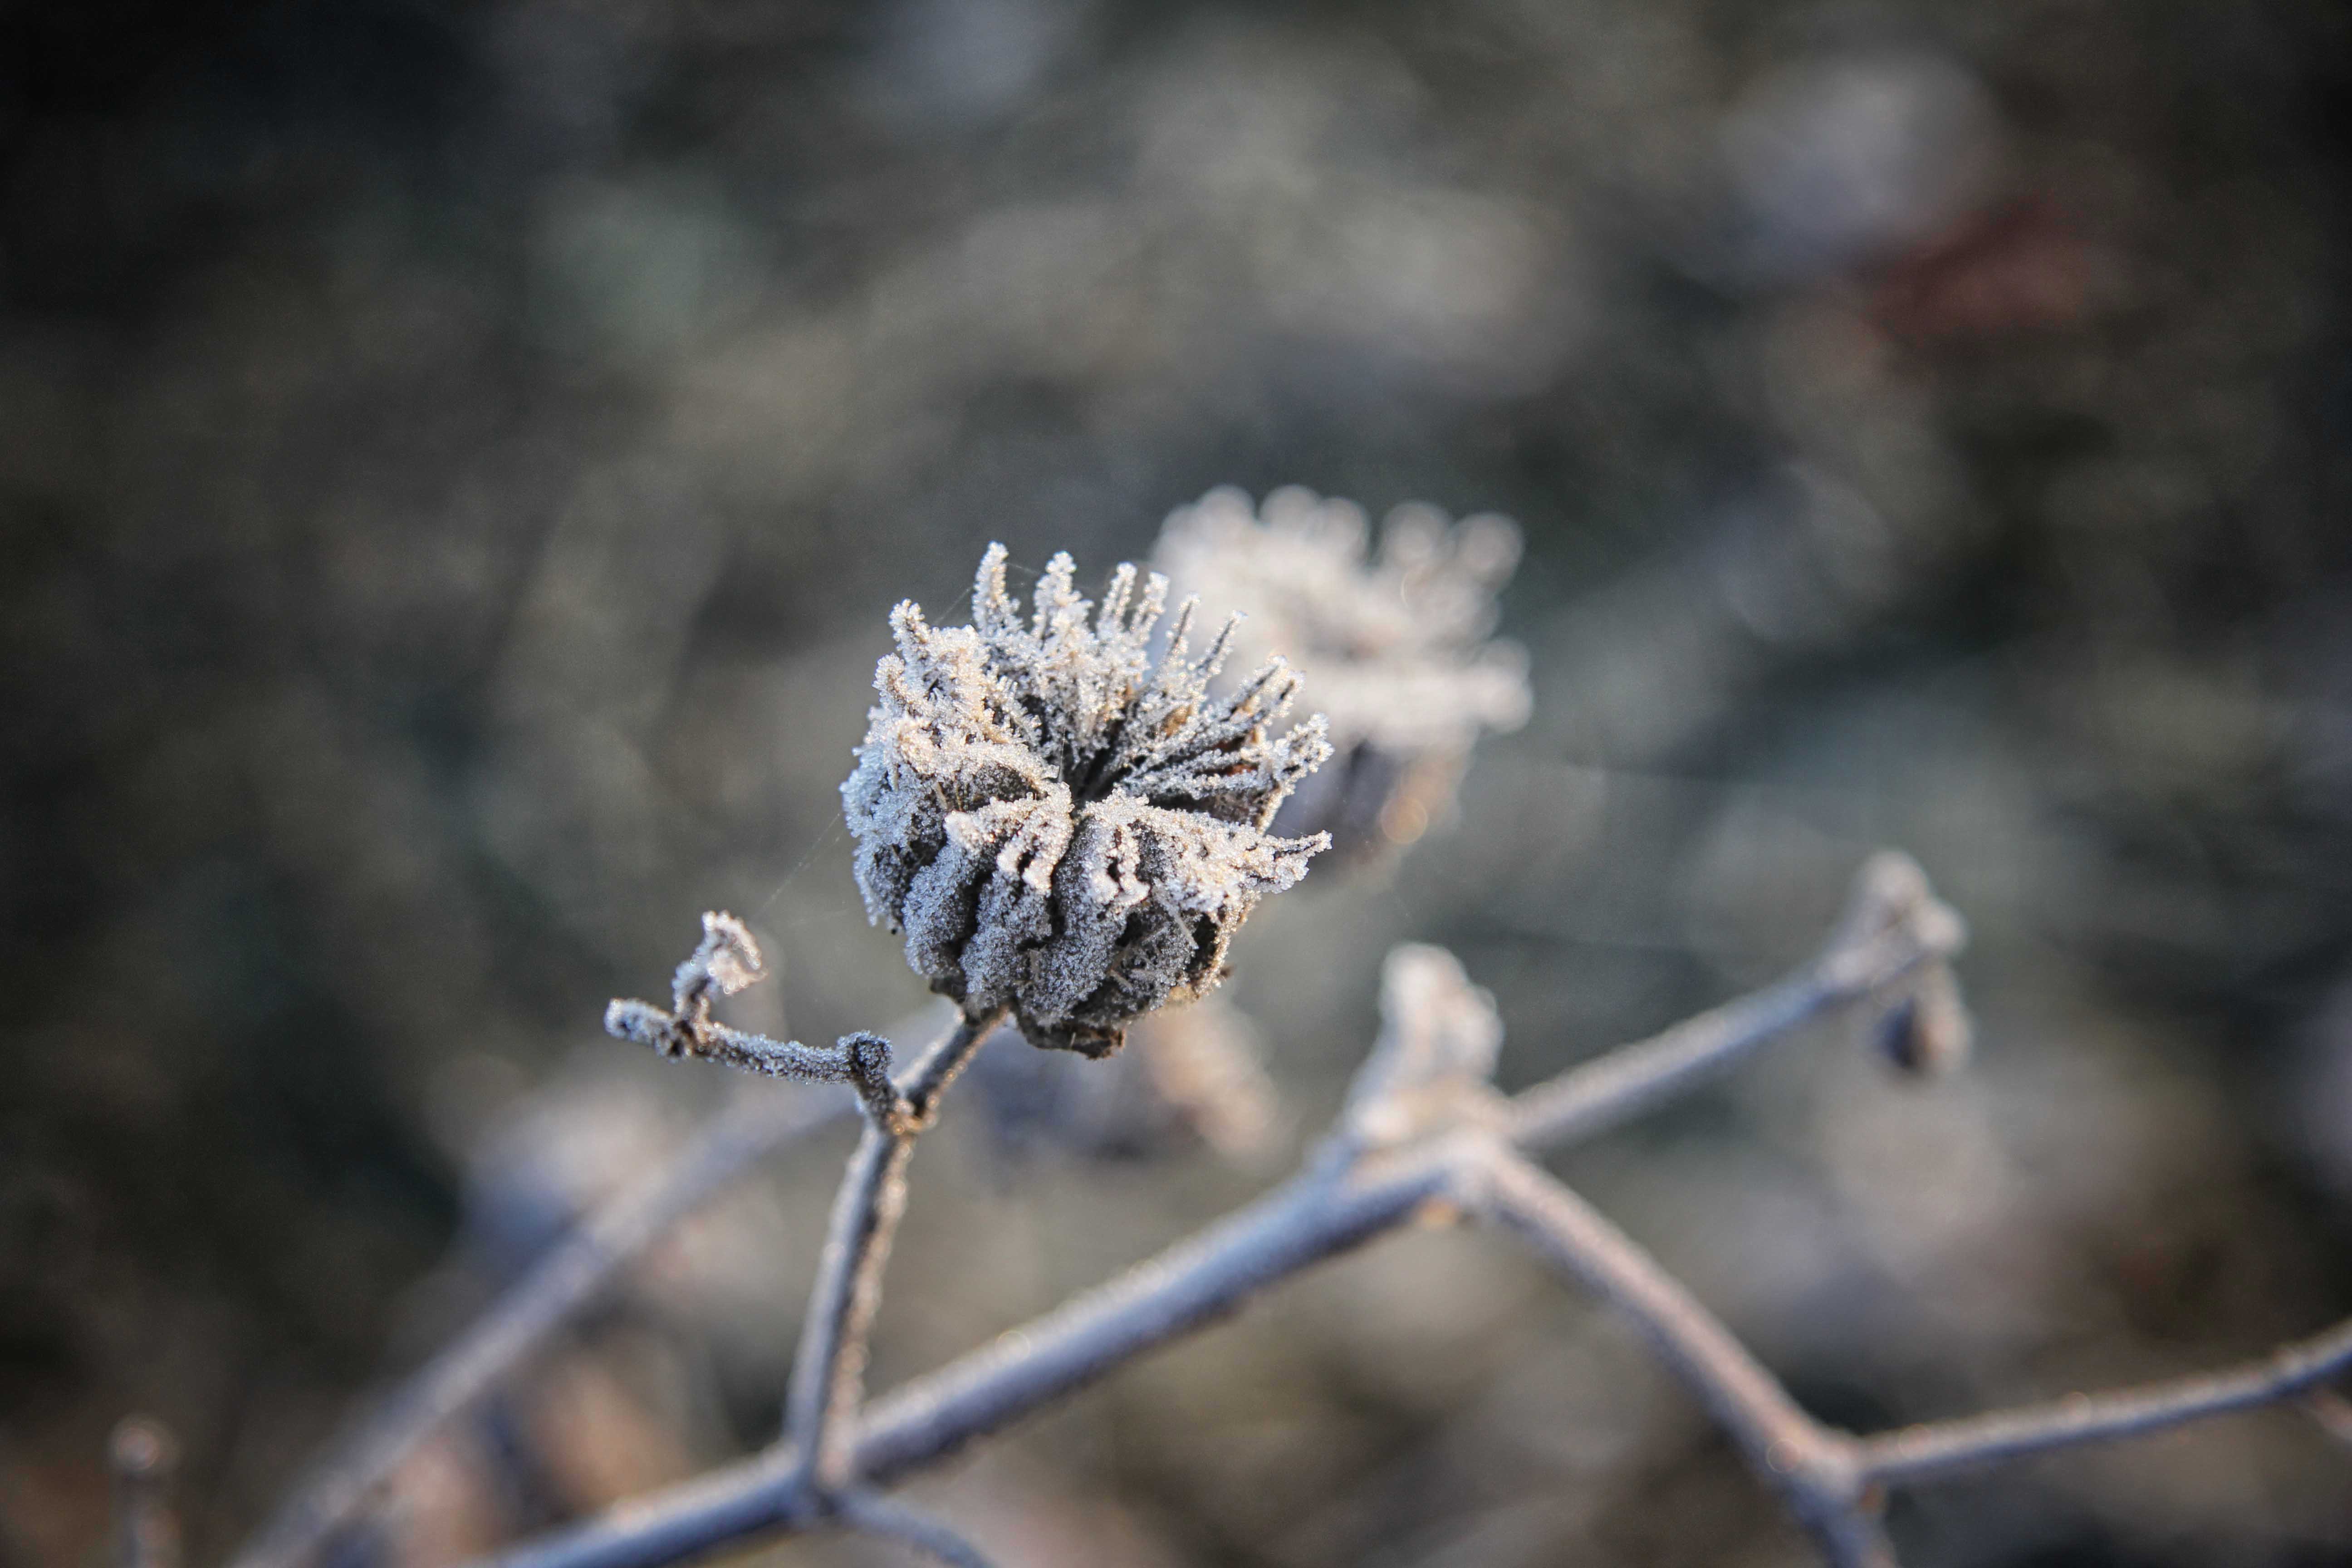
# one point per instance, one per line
(1061, 823)
(1393, 641)
(1435, 1058)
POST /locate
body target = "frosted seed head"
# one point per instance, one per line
(1060, 815)
(1393, 642)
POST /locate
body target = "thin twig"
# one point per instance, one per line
(880, 1516)
(944, 1064)
(1746, 1400)
(1601, 1094)
(1918, 1453)
(1811, 1466)
(1194, 1283)
(829, 1372)
(571, 1273)
(144, 1457)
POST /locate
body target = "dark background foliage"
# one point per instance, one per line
(457, 461)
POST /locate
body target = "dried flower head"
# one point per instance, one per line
(1063, 823)
(1394, 643)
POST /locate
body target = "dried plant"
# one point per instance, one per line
(1064, 824)
(1068, 825)
(1392, 644)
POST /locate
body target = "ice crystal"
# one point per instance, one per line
(1062, 822)
(1392, 642)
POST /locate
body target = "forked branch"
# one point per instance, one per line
(829, 1372)
(1424, 1134)
(1811, 1466)
(579, 1266)
(1426, 1130)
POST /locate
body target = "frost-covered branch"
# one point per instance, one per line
(1812, 1467)
(1971, 1442)
(1419, 1130)
(725, 962)
(829, 1372)
(1894, 933)
(1424, 1135)
(1183, 1288)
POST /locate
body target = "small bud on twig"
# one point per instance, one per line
(725, 962)
(1435, 1055)
(1920, 1023)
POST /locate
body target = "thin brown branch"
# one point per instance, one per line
(145, 1458)
(574, 1272)
(1940, 1448)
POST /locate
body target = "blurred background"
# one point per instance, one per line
(457, 461)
